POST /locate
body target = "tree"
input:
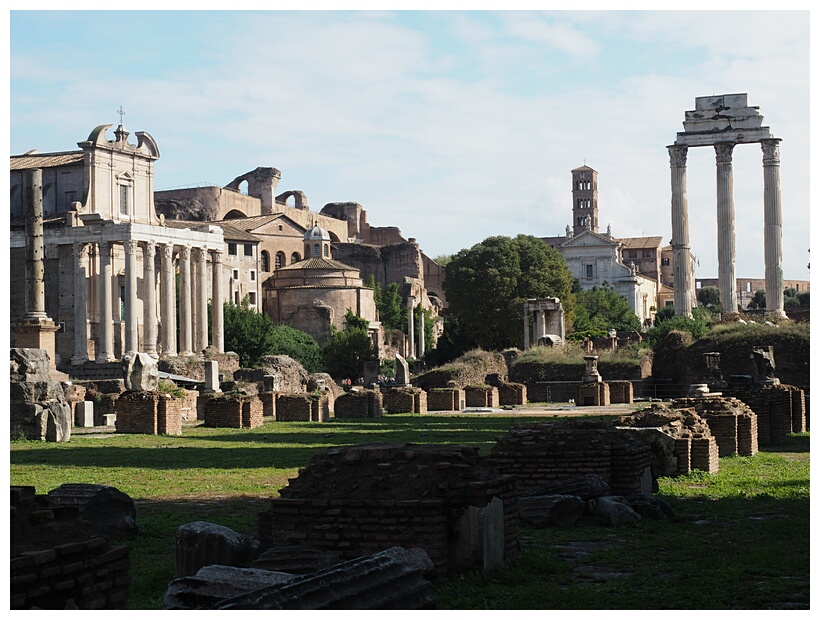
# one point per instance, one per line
(252, 335)
(709, 296)
(348, 349)
(487, 285)
(758, 301)
(392, 310)
(601, 309)
(442, 259)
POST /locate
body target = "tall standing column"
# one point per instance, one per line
(421, 335)
(540, 324)
(149, 299)
(526, 326)
(773, 227)
(105, 350)
(727, 282)
(217, 299)
(410, 322)
(131, 300)
(35, 293)
(80, 310)
(684, 278)
(169, 302)
(185, 309)
(201, 301)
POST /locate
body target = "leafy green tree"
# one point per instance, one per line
(758, 300)
(392, 310)
(487, 285)
(697, 325)
(443, 259)
(348, 349)
(803, 298)
(601, 309)
(664, 314)
(252, 335)
(709, 296)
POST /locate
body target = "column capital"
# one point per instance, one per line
(185, 252)
(677, 154)
(80, 250)
(150, 249)
(167, 251)
(771, 151)
(130, 246)
(723, 152)
(216, 256)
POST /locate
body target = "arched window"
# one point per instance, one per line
(265, 260)
(317, 249)
(295, 258)
(327, 249)
(280, 259)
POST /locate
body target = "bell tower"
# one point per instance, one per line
(584, 200)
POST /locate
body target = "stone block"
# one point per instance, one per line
(141, 373)
(84, 414)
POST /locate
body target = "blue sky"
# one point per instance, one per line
(452, 125)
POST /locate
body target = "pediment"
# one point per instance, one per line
(588, 239)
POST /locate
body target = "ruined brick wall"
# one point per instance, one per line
(481, 396)
(592, 394)
(169, 416)
(303, 408)
(512, 394)
(88, 571)
(780, 410)
(405, 400)
(357, 500)
(190, 405)
(620, 392)
(268, 404)
(136, 413)
(731, 422)
(233, 411)
(362, 404)
(445, 399)
(552, 391)
(704, 454)
(541, 454)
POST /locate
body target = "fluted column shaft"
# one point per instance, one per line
(727, 282)
(149, 299)
(201, 301)
(131, 299)
(169, 301)
(410, 322)
(80, 309)
(105, 350)
(185, 309)
(217, 299)
(540, 325)
(773, 227)
(684, 278)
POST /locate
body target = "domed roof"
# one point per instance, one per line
(317, 233)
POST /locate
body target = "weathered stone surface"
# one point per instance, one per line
(585, 487)
(111, 512)
(402, 371)
(295, 559)
(141, 373)
(29, 365)
(292, 375)
(216, 582)
(650, 507)
(322, 381)
(546, 510)
(201, 544)
(384, 580)
(614, 510)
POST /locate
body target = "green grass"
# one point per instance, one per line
(740, 538)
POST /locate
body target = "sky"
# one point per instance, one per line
(454, 125)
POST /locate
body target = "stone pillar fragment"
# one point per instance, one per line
(526, 326)
(105, 350)
(80, 310)
(773, 227)
(727, 282)
(149, 300)
(684, 278)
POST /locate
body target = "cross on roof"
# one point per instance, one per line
(121, 112)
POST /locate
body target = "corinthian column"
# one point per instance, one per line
(527, 325)
(684, 278)
(149, 300)
(726, 227)
(105, 351)
(169, 302)
(201, 301)
(80, 310)
(131, 334)
(217, 295)
(773, 227)
(410, 337)
(185, 328)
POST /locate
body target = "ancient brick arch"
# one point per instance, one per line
(299, 198)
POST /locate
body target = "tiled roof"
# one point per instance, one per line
(641, 242)
(318, 263)
(45, 160)
(229, 232)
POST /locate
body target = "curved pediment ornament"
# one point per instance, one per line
(677, 154)
(97, 135)
(146, 144)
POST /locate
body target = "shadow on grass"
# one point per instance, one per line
(796, 442)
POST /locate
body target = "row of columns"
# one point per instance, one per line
(193, 305)
(772, 220)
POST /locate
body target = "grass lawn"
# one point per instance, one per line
(740, 539)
